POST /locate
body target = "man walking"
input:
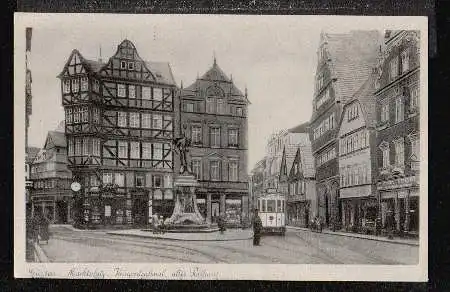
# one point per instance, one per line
(257, 228)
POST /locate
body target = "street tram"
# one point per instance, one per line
(272, 208)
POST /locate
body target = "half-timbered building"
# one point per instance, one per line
(344, 63)
(51, 178)
(213, 112)
(119, 129)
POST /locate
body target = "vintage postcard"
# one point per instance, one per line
(220, 147)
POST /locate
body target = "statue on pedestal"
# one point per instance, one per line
(182, 144)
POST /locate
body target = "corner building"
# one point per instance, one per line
(344, 64)
(214, 113)
(119, 130)
(398, 138)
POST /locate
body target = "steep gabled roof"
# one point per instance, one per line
(160, 70)
(215, 76)
(55, 139)
(367, 100)
(302, 128)
(352, 57)
(31, 153)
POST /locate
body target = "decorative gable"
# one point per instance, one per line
(74, 66)
(126, 63)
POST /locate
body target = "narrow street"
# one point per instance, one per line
(297, 247)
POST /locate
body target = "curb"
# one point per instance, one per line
(173, 239)
(39, 254)
(359, 237)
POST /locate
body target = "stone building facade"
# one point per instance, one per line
(213, 113)
(344, 63)
(398, 140)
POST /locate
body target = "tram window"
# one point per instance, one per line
(270, 205)
(279, 206)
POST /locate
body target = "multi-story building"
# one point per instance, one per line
(398, 139)
(51, 195)
(357, 159)
(30, 154)
(119, 130)
(284, 139)
(344, 64)
(213, 113)
(257, 181)
(297, 175)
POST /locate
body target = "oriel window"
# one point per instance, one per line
(157, 121)
(134, 120)
(122, 119)
(85, 146)
(157, 94)
(66, 86)
(146, 120)
(69, 115)
(84, 84)
(123, 149)
(134, 150)
(157, 151)
(131, 91)
(146, 93)
(146, 150)
(75, 85)
(121, 90)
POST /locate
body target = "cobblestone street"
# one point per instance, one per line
(297, 247)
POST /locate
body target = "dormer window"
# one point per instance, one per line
(130, 65)
(123, 65)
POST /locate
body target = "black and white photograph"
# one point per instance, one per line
(220, 147)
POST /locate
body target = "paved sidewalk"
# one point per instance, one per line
(413, 242)
(231, 234)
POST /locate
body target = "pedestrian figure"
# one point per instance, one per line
(257, 228)
(221, 224)
(390, 225)
(43, 224)
(161, 225)
(155, 223)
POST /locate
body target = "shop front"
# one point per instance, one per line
(359, 208)
(400, 200)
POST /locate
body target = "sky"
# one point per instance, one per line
(273, 56)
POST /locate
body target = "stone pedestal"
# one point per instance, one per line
(185, 212)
